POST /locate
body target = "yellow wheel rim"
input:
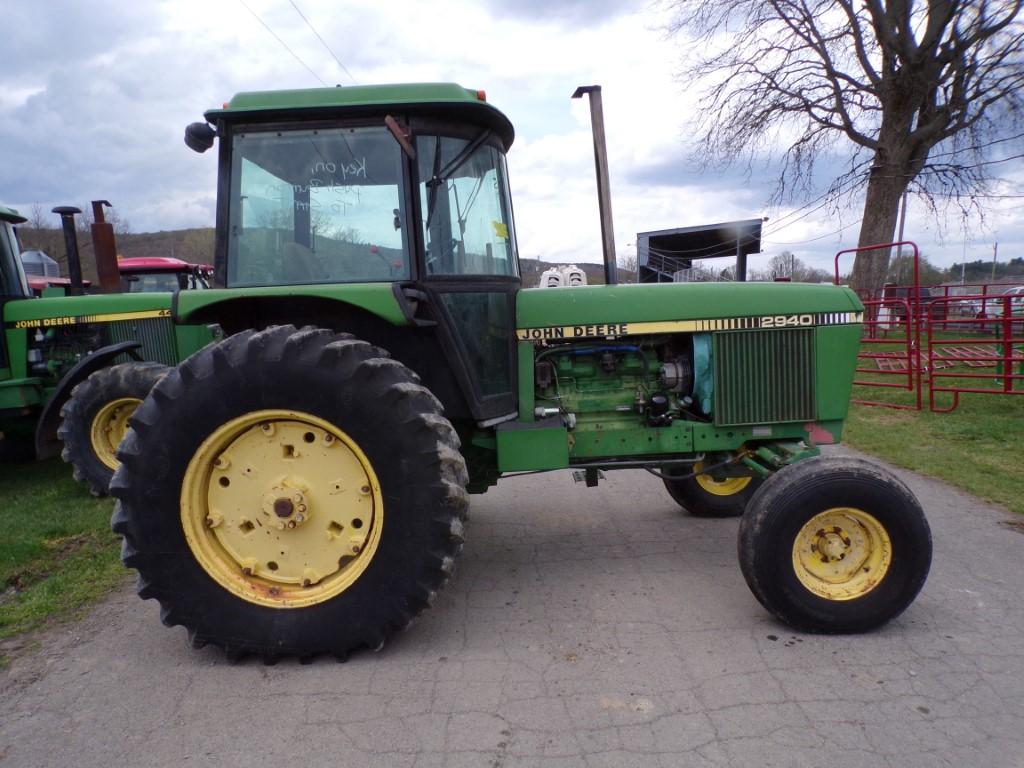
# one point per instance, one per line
(282, 508)
(109, 427)
(728, 486)
(842, 553)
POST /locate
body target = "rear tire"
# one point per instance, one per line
(834, 545)
(703, 496)
(95, 418)
(396, 459)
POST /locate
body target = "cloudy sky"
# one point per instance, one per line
(97, 94)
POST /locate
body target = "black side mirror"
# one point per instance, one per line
(199, 136)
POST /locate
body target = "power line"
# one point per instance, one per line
(977, 146)
(282, 42)
(322, 41)
(820, 237)
(827, 197)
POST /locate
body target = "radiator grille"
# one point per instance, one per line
(764, 376)
(156, 335)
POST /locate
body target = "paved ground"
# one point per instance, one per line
(586, 627)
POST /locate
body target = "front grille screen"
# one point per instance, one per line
(764, 376)
(155, 334)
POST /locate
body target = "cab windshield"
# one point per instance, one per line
(156, 282)
(316, 206)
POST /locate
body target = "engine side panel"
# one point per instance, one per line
(656, 386)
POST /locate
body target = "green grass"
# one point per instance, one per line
(975, 447)
(57, 553)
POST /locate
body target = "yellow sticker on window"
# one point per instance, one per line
(500, 229)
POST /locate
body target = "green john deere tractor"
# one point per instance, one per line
(300, 486)
(74, 367)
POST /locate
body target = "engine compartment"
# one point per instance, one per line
(645, 381)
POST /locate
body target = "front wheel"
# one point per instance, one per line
(834, 545)
(290, 493)
(95, 417)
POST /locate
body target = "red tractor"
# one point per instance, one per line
(148, 274)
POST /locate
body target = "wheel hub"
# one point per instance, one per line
(727, 486)
(291, 508)
(842, 553)
(109, 427)
(286, 505)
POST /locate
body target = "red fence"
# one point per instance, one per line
(995, 343)
(946, 339)
(888, 349)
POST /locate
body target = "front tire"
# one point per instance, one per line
(95, 417)
(834, 545)
(290, 493)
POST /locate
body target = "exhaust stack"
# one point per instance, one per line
(604, 195)
(67, 215)
(105, 249)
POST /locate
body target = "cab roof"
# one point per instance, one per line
(11, 215)
(157, 264)
(421, 99)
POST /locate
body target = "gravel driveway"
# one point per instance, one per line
(585, 627)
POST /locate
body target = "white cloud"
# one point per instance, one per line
(102, 93)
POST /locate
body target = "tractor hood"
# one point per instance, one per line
(602, 310)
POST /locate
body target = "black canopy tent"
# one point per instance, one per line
(663, 253)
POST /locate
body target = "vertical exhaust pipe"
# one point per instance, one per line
(604, 195)
(67, 219)
(105, 249)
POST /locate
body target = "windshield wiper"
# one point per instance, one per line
(441, 175)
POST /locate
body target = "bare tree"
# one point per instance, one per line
(787, 265)
(627, 264)
(38, 218)
(896, 78)
(84, 221)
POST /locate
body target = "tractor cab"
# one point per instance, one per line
(403, 185)
(13, 283)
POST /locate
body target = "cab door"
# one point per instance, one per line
(469, 267)
(12, 286)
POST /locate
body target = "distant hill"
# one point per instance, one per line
(196, 245)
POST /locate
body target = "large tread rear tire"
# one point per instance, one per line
(870, 514)
(378, 403)
(92, 462)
